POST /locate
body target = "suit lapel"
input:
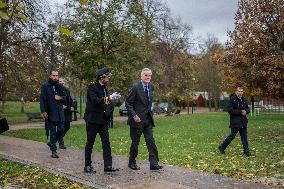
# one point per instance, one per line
(151, 92)
(142, 93)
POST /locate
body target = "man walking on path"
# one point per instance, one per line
(140, 119)
(97, 118)
(67, 107)
(238, 109)
(52, 98)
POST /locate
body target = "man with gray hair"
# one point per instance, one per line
(140, 119)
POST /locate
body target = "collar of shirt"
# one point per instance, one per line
(101, 83)
(143, 84)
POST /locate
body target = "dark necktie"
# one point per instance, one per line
(146, 90)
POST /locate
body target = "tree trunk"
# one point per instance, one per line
(22, 107)
(252, 104)
(188, 107)
(216, 104)
(81, 86)
(210, 105)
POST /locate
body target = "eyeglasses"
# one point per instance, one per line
(240, 91)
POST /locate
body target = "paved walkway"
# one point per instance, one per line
(71, 162)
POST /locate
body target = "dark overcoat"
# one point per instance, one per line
(95, 105)
(68, 104)
(48, 104)
(235, 107)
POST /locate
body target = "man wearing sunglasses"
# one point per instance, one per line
(238, 109)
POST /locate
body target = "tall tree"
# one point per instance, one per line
(255, 58)
(173, 63)
(209, 70)
(20, 35)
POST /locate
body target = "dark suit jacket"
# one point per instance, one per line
(136, 104)
(48, 104)
(95, 106)
(235, 107)
(68, 104)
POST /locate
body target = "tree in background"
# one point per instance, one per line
(117, 34)
(255, 59)
(209, 70)
(21, 53)
(172, 63)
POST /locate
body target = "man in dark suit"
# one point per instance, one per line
(140, 119)
(238, 109)
(97, 105)
(52, 98)
(67, 107)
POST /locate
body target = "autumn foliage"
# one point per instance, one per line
(255, 58)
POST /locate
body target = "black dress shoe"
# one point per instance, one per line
(54, 155)
(89, 169)
(62, 147)
(221, 150)
(156, 167)
(110, 169)
(247, 154)
(133, 166)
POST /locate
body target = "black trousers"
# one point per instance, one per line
(232, 135)
(135, 134)
(65, 130)
(92, 131)
(56, 134)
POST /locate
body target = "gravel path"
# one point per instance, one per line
(71, 162)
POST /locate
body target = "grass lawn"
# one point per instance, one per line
(16, 175)
(13, 114)
(192, 140)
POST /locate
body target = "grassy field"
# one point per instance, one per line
(13, 114)
(192, 140)
(16, 175)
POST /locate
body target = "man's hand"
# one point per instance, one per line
(244, 112)
(137, 119)
(57, 97)
(45, 115)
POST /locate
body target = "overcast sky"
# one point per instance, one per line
(213, 17)
(206, 16)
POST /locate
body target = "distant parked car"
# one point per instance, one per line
(161, 107)
(157, 108)
(122, 110)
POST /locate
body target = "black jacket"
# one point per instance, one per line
(235, 107)
(54, 108)
(68, 104)
(95, 105)
(136, 104)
